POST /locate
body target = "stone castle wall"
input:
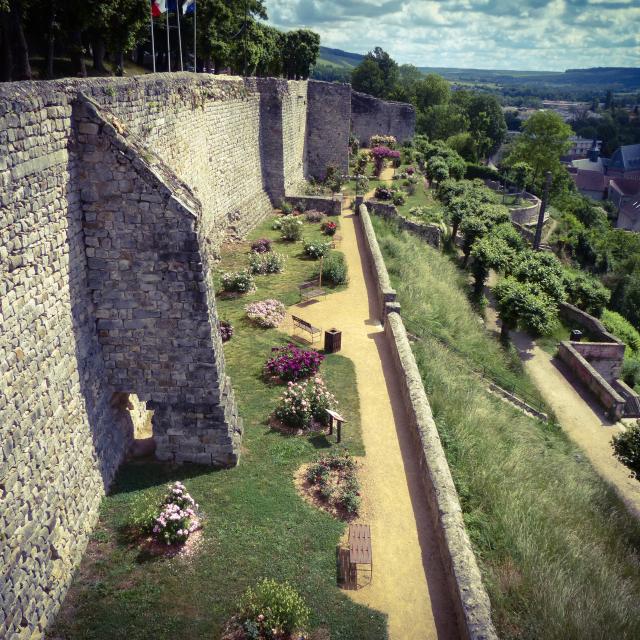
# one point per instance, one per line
(113, 195)
(371, 116)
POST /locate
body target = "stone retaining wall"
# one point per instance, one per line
(612, 401)
(371, 116)
(330, 205)
(527, 214)
(587, 321)
(430, 233)
(465, 581)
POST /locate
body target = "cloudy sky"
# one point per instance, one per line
(488, 34)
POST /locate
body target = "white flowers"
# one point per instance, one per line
(266, 313)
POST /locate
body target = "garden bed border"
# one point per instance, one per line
(329, 205)
(471, 600)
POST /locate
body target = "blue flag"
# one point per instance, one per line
(188, 7)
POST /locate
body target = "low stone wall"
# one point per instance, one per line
(430, 233)
(527, 214)
(612, 401)
(465, 581)
(591, 324)
(330, 205)
(386, 293)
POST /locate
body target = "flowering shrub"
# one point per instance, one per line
(272, 610)
(334, 269)
(380, 154)
(266, 313)
(262, 245)
(177, 518)
(226, 330)
(305, 403)
(361, 160)
(410, 171)
(379, 140)
(334, 477)
(291, 228)
(266, 262)
(383, 193)
(240, 281)
(398, 198)
(329, 228)
(292, 363)
(286, 208)
(317, 250)
(313, 215)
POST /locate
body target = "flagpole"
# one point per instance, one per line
(179, 35)
(168, 44)
(195, 58)
(153, 43)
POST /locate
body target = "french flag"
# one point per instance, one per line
(158, 7)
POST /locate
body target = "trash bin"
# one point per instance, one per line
(576, 335)
(332, 341)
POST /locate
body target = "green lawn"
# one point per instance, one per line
(256, 524)
(557, 549)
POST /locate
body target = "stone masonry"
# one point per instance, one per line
(115, 194)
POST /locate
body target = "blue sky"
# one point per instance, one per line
(490, 34)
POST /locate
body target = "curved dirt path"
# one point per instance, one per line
(409, 582)
(577, 411)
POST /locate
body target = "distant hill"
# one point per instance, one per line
(341, 62)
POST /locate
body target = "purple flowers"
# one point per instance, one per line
(262, 245)
(383, 193)
(293, 363)
(226, 330)
(380, 154)
(266, 313)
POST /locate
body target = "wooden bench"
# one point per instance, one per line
(309, 290)
(360, 551)
(299, 323)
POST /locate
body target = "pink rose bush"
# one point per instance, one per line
(266, 313)
(380, 154)
(303, 405)
(380, 140)
(293, 363)
(177, 519)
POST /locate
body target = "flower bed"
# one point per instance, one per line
(380, 140)
(317, 250)
(303, 405)
(177, 519)
(238, 281)
(262, 263)
(332, 483)
(313, 215)
(226, 330)
(262, 245)
(266, 313)
(383, 193)
(290, 363)
(329, 228)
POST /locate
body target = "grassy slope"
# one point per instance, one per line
(256, 524)
(558, 551)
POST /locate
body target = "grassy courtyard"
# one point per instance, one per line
(557, 549)
(256, 524)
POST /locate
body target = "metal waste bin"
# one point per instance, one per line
(332, 341)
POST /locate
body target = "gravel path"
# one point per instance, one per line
(409, 582)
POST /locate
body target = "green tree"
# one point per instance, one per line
(437, 169)
(441, 121)
(543, 273)
(486, 122)
(518, 304)
(300, 52)
(123, 26)
(490, 252)
(521, 173)
(586, 292)
(544, 138)
(431, 91)
(376, 75)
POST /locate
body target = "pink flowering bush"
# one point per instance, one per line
(266, 313)
(226, 330)
(303, 405)
(329, 228)
(293, 363)
(177, 519)
(262, 245)
(380, 154)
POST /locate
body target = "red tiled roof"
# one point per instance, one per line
(590, 180)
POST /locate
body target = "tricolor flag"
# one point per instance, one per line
(158, 7)
(188, 7)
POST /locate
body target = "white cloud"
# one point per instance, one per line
(492, 34)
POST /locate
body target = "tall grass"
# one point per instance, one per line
(557, 549)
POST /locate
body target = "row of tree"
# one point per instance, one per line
(471, 122)
(59, 35)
